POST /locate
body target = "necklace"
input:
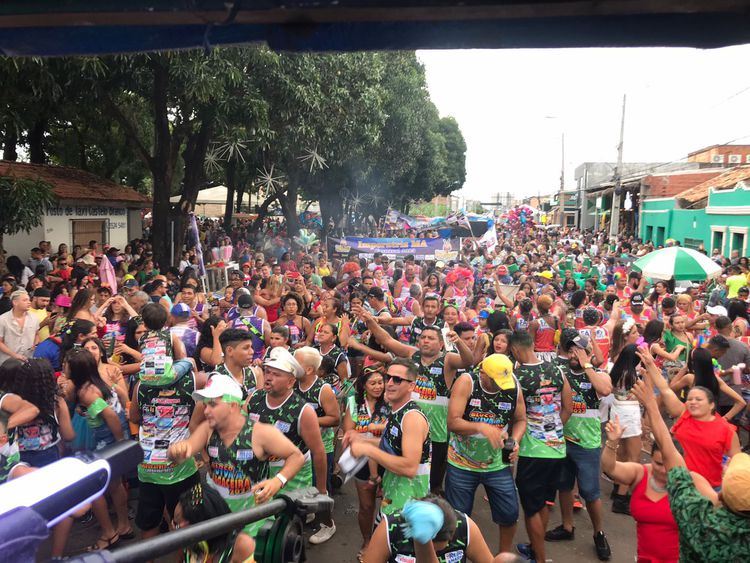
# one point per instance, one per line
(655, 486)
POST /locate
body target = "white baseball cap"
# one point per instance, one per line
(718, 310)
(280, 358)
(222, 386)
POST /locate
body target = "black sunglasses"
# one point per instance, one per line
(396, 379)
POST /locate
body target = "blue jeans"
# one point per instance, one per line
(585, 464)
(461, 486)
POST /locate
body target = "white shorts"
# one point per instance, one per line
(629, 413)
(604, 404)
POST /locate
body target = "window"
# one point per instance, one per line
(649, 233)
(659, 236)
(717, 239)
(738, 239)
(693, 243)
(570, 220)
(90, 229)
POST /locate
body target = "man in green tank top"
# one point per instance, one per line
(485, 409)
(238, 451)
(279, 404)
(583, 440)
(404, 448)
(320, 396)
(435, 376)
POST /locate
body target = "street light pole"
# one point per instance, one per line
(614, 221)
(561, 198)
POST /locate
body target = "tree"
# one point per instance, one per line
(24, 203)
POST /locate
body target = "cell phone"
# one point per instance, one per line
(449, 346)
(111, 347)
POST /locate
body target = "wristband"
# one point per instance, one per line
(283, 480)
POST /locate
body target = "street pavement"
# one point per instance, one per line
(346, 542)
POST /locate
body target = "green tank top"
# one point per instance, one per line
(397, 490)
(156, 367)
(165, 417)
(312, 398)
(474, 453)
(249, 384)
(234, 470)
(583, 426)
(431, 394)
(286, 419)
(401, 548)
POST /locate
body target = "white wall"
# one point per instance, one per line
(135, 225)
(58, 222)
(21, 244)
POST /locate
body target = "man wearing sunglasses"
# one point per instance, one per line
(436, 373)
(404, 448)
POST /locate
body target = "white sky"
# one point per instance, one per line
(678, 101)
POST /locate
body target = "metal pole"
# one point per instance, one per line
(561, 198)
(614, 220)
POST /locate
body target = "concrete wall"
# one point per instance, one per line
(21, 244)
(58, 222)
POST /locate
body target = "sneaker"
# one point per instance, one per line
(603, 551)
(560, 534)
(526, 552)
(621, 504)
(577, 504)
(324, 534)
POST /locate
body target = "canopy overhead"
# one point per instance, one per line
(213, 196)
(88, 27)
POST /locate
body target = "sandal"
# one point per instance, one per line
(110, 542)
(129, 535)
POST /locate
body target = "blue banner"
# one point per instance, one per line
(421, 248)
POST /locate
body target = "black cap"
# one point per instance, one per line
(376, 292)
(245, 301)
(636, 299)
(42, 292)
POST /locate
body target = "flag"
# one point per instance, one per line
(489, 238)
(194, 234)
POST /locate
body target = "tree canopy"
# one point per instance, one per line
(355, 131)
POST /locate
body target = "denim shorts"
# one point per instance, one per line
(584, 464)
(461, 486)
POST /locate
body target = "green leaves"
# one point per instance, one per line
(24, 203)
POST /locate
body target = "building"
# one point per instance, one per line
(570, 208)
(714, 214)
(594, 184)
(722, 155)
(88, 208)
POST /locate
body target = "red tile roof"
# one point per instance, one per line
(74, 184)
(727, 180)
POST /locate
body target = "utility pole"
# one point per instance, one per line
(614, 220)
(561, 197)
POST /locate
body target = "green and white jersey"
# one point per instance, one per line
(583, 427)
(542, 385)
(475, 453)
(312, 396)
(401, 547)
(286, 418)
(248, 383)
(234, 470)
(431, 394)
(165, 417)
(397, 490)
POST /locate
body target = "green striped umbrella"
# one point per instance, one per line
(677, 263)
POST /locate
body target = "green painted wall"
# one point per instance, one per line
(661, 221)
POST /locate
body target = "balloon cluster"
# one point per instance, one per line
(520, 217)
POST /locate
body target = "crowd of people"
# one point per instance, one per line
(532, 369)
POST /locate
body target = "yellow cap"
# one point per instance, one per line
(499, 368)
(546, 274)
(735, 486)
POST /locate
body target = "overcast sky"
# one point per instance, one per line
(513, 105)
